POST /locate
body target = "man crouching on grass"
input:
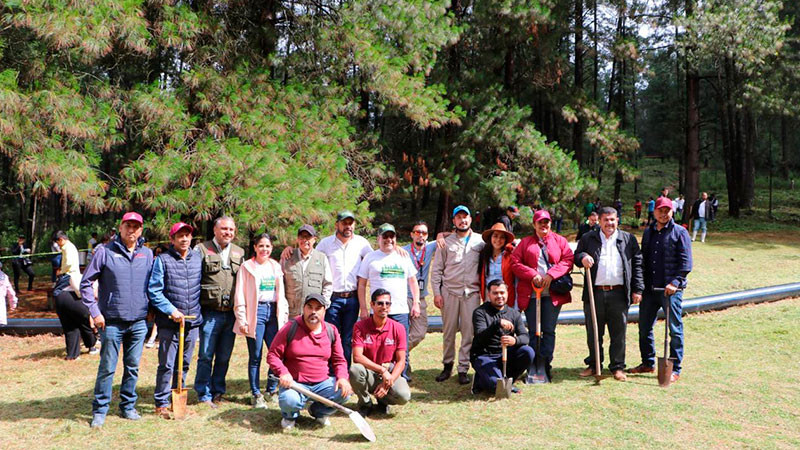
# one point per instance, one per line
(379, 357)
(302, 351)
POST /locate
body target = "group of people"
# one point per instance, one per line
(341, 318)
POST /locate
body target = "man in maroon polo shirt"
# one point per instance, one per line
(305, 350)
(379, 357)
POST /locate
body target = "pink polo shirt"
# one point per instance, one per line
(379, 345)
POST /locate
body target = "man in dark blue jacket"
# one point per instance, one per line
(121, 268)
(667, 255)
(174, 291)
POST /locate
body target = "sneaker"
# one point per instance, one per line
(323, 421)
(98, 420)
(130, 414)
(217, 399)
(365, 409)
(210, 404)
(287, 424)
(515, 390)
(150, 344)
(259, 402)
(381, 408)
(94, 350)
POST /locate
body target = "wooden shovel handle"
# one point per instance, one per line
(505, 352)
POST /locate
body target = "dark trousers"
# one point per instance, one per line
(648, 314)
(74, 317)
(403, 319)
(612, 310)
(18, 269)
(343, 314)
(168, 346)
(489, 367)
(549, 321)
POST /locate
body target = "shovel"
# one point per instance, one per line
(536, 372)
(598, 371)
(665, 363)
(503, 388)
(355, 417)
(179, 395)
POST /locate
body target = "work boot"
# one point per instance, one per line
(162, 412)
(641, 368)
(447, 371)
(587, 372)
(463, 378)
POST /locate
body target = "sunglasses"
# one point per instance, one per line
(422, 233)
(383, 303)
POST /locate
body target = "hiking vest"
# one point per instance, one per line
(298, 283)
(181, 286)
(218, 283)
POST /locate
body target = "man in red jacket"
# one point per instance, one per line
(303, 351)
(539, 259)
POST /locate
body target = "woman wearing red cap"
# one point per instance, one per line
(539, 260)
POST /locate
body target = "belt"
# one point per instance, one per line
(345, 294)
(609, 288)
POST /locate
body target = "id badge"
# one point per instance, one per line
(421, 285)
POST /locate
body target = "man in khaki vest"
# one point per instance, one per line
(306, 271)
(221, 261)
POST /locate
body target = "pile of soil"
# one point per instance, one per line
(33, 304)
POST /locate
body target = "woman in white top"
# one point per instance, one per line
(260, 308)
(72, 313)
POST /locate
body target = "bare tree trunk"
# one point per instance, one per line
(443, 220)
(785, 147)
(578, 126)
(749, 172)
(692, 169)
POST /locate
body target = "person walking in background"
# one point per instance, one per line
(8, 298)
(23, 263)
(715, 205)
(637, 210)
(261, 310)
(122, 268)
(507, 219)
(221, 262)
(702, 212)
(651, 206)
(174, 292)
(72, 313)
(588, 225)
(306, 271)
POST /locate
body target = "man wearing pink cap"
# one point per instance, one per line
(121, 268)
(174, 291)
(667, 255)
(538, 261)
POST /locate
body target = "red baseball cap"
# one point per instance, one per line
(541, 215)
(663, 202)
(178, 227)
(134, 216)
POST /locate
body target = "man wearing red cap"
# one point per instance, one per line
(174, 291)
(121, 268)
(667, 255)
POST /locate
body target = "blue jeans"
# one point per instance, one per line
(648, 314)
(166, 375)
(291, 401)
(700, 223)
(549, 320)
(131, 336)
(489, 368)
(343, 314)
(216, 345)
(403, 319)
(266, 329)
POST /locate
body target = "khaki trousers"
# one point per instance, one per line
(417, 327)
(457, 316)
(365, 381)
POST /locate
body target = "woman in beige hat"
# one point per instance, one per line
(495, 259)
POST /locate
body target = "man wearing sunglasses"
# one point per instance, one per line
(421, 253)
(379, 356)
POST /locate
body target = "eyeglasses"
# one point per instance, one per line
(384, 303)
(421, 233)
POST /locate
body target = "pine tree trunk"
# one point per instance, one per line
(443, 210)
(578, 126)
(785, 147)
(691, 181)
(749, 168)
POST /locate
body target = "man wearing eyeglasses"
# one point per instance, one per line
(387, 269)
(421, 253)
(379, 356)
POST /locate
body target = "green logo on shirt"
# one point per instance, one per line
(393, 271)
(267, 284)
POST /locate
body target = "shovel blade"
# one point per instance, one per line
(362, 426)
(664, 371)
(503, 388)
(179, 397)
(537, 373)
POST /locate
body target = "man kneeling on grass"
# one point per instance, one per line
(304, 350)
(496, 325)
(379, 357)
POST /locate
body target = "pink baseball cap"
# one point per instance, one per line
(136, 217)
(663, 202)
(178, 227)
(540, 215)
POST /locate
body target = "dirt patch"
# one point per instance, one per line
(34, 304)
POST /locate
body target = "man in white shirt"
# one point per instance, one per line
(386, 269)
(615, 261)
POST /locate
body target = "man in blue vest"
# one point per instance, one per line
(121, 268)
(174, 291)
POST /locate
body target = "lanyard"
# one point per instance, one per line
(419, 261)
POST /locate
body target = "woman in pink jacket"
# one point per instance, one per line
(529, 265)
(260, 308)
(7, 294)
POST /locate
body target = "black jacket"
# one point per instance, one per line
(709, 213)
(584, 228)
(632, 269)
(487, 331)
